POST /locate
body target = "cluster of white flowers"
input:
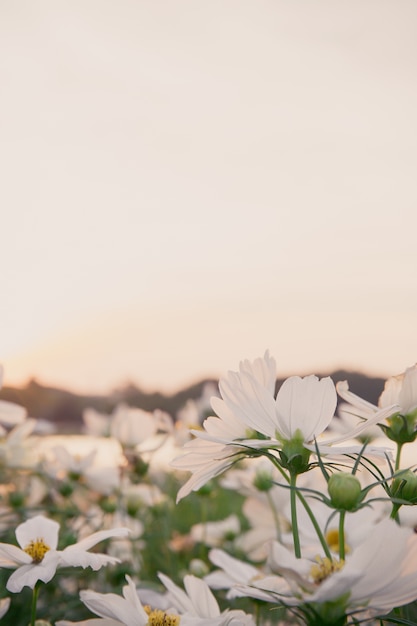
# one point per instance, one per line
(325, 533)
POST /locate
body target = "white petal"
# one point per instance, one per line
(28, 575)
(12, 556)
(115, 607)
(11, 413)
(92, 540)
(38, 527)
(177, 595)
(306, 404)
(392, 391)
(348, 396)
(252, 403)
(204, 602)
(236, 569)
(408, 395)
(81, 558)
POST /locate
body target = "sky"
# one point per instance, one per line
(188, 183)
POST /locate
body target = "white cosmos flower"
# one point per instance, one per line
(17, 449)
(303, 407)
(399, 390)
(379, 575)
(250, 416)
(37, 558)
(196, 606)
(215, 533)
(132, 426)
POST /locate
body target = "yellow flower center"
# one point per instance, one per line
(332, 539)
(324, 567)
(160, 618)
(37, 550)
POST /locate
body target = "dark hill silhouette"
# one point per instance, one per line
(65, 408)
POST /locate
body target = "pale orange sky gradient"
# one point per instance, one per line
(186, 184)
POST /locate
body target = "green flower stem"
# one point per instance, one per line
(305, 505)
(34, 603)
(397, 460)
(394, 513)
(294, 521)
(316, 526)
(342, 535)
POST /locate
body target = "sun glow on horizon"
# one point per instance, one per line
(186, 185)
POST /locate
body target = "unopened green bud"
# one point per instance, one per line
(401, 428)
(108, 505)
(404, 486)
(198, 568)
(263, 481)
(345, 491)
(294, 456)
(65, 489)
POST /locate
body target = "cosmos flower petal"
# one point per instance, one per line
(306, 404)
(28, 575)
(82, 558)
(177, 595)
(376, 418)
(130, 594)
(250, 402)
(202, 598)
(115, 607)
(92, 540)
(38, 527)
(12, 556)
(408, 394)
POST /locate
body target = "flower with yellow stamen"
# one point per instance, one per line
(38, 558)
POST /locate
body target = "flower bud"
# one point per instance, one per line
(263, 481)
(404, 486)
(345, 491)
(198, 568)
(401, 428)
(294, 456)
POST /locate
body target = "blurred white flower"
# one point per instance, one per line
(115, 610)
(216, 533)
(17, 448)
(401, 390)
(194, 412)
(37, 558)
(132, 426)
(198, 606)
(11, 414)
(231, 574)
(96, 424)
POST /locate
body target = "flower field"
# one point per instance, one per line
(261, 507)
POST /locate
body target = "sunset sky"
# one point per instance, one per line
(188, 183)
